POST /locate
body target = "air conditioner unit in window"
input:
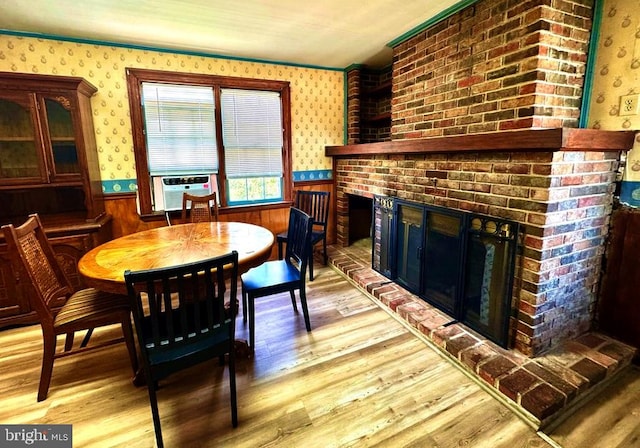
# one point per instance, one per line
(171, 189)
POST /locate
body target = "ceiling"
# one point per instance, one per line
(322, 33)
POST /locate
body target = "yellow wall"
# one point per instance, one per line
(616, 73)
(317, 95)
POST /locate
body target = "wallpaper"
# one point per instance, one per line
(317, 97)
(617, 70)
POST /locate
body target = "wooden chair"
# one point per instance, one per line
(315, 204)
(273, 277)
(78, 311)
(199, 208)
(182, 319)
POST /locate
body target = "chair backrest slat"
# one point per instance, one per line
(199, 208)
(315, 204)
(167, 316)
(186, 304)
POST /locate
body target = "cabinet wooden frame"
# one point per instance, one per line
(74, 94)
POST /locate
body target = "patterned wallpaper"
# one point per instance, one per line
(617, 69)
(317, 97)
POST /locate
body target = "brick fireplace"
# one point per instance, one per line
(483, 107)
(557, 183)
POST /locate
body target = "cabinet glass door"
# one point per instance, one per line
(20, 154)
(62, 137)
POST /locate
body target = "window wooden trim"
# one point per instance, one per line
(135, 78)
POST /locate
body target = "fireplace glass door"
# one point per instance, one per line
(410, 243)
(443, 259)
(463, 263)
(489, 276)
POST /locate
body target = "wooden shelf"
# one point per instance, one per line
(382, 89)
(63, 139)
(378, 119)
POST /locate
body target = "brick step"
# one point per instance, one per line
(543, 390)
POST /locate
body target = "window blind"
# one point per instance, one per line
(252, 133)
(180, 129)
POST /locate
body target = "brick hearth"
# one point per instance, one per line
(541, 389)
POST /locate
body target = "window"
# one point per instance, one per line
(180, 129)
(234, 130)
(252, 135)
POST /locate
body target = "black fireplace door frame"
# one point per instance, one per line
(383, 238)
(409, 233)
(464, 278)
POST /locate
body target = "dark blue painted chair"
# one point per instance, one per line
(288, 274)
(182, 318)
(316, 205)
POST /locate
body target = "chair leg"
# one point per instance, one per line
(48, 355)
(252, 323)
(324, 248)
(279, 249)
(293, 300)
(87, 337)
(310, 265)
(232, 385)
(153, 400)
(127, 332)
(244, 304)
(305, 309)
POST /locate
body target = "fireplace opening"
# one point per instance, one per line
(360, 215)
(463, 263)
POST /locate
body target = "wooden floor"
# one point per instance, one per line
(359, 379)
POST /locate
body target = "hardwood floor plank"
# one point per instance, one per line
(613, 416)
(358, 379)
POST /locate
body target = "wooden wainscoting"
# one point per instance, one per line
(122, 207)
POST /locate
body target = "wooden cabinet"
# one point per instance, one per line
(48, 165)
(619, 308)
(48, 156)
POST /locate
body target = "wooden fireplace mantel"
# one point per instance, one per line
(558, 139)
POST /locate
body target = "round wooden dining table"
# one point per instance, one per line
(103, 267)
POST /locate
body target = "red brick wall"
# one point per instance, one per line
(496, 65)
(353, 106)
(563, 199)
